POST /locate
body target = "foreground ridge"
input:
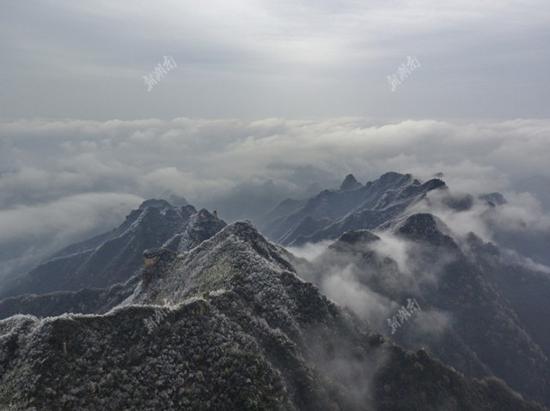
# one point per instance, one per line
(231, 327)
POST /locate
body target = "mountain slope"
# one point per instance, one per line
(238, 329)
(467, 319)
(85, 301)
(115, 256)
(525, 286)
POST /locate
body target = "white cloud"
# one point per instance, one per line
(343, 286)
(394, 248)
(197, 157)
(209, 161)
(69, 216)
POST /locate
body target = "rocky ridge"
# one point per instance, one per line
(226, 325)
(333, 212)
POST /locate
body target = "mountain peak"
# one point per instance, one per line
(155, 203)
(425, 227)
(435, 183)
(219, 263)
(242, 228)
(392, 176)
(350, 183)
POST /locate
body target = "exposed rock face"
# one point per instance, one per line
(116, 256)
(238, 329)
(331, 213)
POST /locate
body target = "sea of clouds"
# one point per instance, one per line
(63, 180)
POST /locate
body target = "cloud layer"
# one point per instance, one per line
(244, 167)
(196, 158)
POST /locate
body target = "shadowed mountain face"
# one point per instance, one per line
(479, 313)
(116, 256)
(525, 288)
(354, 206)
(237, 329)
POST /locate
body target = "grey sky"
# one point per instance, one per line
(257, 59)
(270, 99)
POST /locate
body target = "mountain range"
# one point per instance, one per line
(333, 212)
(175, 309)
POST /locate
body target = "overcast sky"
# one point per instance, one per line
(269, 99)
(281, 58)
